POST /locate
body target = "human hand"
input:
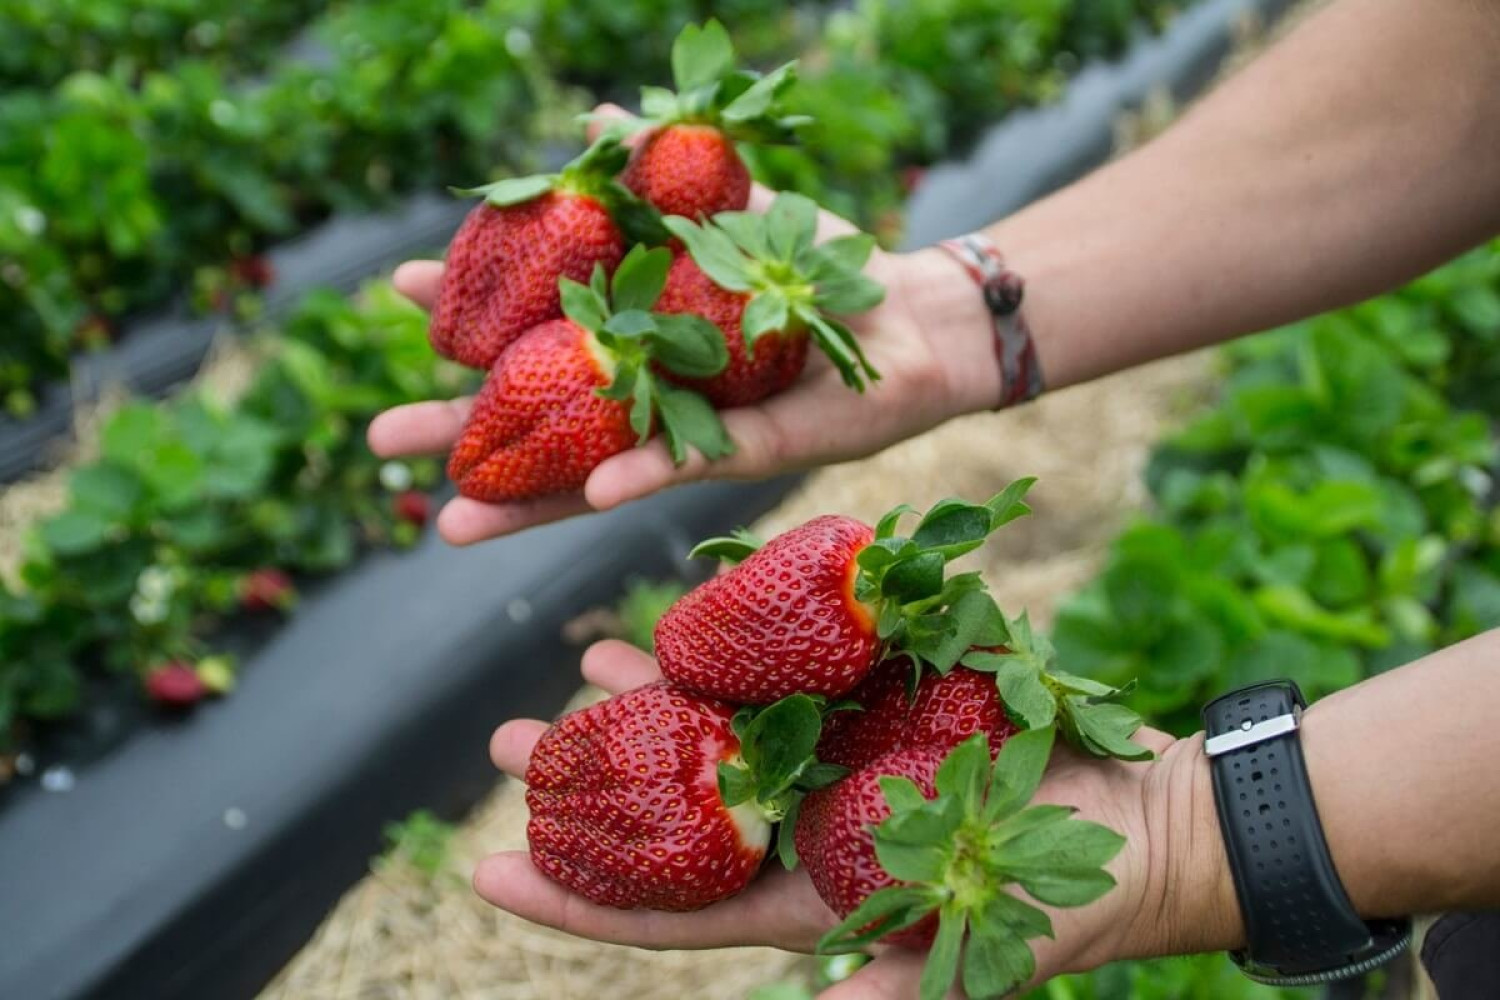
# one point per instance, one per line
(1169, 897)
(930, 339)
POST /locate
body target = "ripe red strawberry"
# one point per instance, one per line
(267, 589)
(175, 685)
(762, 282)
(689, 170)
(504, 263)
(573, 392)
(816, 608)
(661, 798)
(919, 847)
(686, 164)
(413, 507)
(943, 711)
(833, 834)
(254, 270)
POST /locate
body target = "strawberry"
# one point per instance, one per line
(816, 608)
(412, 507)
(573, 392)
(919, 848)
(175, 685)
(254, 270)
(764, 284)
(267, 589)
(686, 163)
(942, 711)
(505, 261)
(661, 798)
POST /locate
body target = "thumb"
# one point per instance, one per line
(606, 114)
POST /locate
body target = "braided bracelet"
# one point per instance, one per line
(1020, 371)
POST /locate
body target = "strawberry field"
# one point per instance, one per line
(225, 564)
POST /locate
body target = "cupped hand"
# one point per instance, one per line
(929, 339)
(781, 909)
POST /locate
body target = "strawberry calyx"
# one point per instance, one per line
(712, 91)
(956, 854)
(793, 284)
(629, 340)
(1087, 712)
(902, 580)
(777, 764)
(592, 174)
(731, 549)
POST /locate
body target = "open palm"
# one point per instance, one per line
(780, 909)
(929, 374)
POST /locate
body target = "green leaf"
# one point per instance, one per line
(658, 103)
(1028, 700)
(513, 190)
(778, 743)
(786, 836)
(791, 225)
(688, 419)
(997, 959)
(885, 911)
(106, 488)
(760, 98)
(1018, 772)
(848, 294)
(714, 253)
(915, 578)
(581, 304)
(953, 528)
(747, 230)
(701, 56)
(631, 324)
(886, 527)
(639, 279)
(1007, 505)
(766, 312)
(641, 390)
(736, 784)
(687, 345)
(75, 532)
(901, 793)
(132, 432)
(839, 256)
(732, 549)
(1104, 729)
(941, 967)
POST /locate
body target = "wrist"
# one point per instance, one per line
(949, 309)
(1189, 904)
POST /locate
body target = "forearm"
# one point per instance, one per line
(1403, 772)
(1359, 152)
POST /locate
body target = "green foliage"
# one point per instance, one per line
(421, 841)
(186, 497)
(136, 158)
(642, 607)
(1199, 977)
(1331, 515)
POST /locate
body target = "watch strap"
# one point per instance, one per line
(1299, 923)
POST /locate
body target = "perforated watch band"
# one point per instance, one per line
(1299, 923)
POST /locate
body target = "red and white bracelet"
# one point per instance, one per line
(1020, 371)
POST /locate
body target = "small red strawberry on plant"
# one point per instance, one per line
(934, 861)
(573, 392)
(764, 283)
(686, 163)
(267, 589)
(661, 798)
(254, 270)
(175, 685)
(504, 263)
(816, 608)
(412, 507)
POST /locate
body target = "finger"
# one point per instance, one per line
(779, 909)
(419, 280)
(463, 521)
(604, 114)
(829, 225)
(418, 428)
(895, 974)
(618, 666)
(512, 743)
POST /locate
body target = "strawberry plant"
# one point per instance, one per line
(200, 510)
(1333, 514)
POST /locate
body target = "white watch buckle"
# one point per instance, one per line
(1251, 733)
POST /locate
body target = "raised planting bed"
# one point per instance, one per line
(194, 858)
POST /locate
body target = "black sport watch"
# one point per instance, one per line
(1300, 927)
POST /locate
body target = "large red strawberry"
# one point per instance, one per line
(573, 392)
(939, 711)
(686, 163)
(664, 799)
(504, 263)
(815, 609)
(764, 283)
(920, 848)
